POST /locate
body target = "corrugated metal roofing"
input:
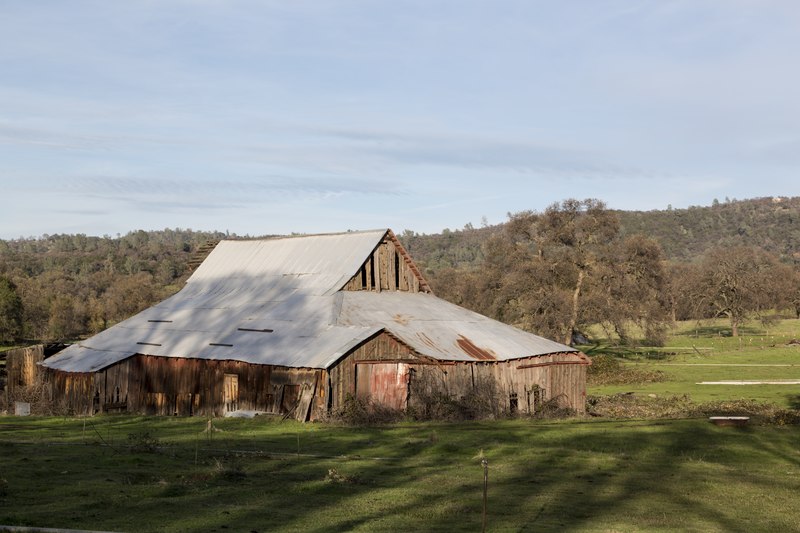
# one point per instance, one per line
(277, 302)
(317, 264)
(439, 329)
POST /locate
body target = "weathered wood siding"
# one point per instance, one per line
(73, 392)
(21, 368)
(176, 386)
(389, 268)
(530, 380)
(382, 368)
(380, 348)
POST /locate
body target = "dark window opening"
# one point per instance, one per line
(397, 271)
(513, 403)
(535, 398)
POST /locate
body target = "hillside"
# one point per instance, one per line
(770, 223)
(69, 286)
(684, 234)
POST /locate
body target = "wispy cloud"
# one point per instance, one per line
(306, 112)
(39, 137)
(163, 194)
(381, 148)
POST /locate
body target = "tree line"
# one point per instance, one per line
(558, 272)
(63, 287)
(772, 224)
(555, 273)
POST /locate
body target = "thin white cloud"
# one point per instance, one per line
(247, 109)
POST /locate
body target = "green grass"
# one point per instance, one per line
(701, 352)
(577, 475)
(103, 473)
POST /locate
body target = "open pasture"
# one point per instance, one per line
(698, 352)
(124, 473)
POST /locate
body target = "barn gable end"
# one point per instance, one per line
(388, 268)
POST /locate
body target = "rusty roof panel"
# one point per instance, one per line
(478, 353)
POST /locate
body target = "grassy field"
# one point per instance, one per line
(574, 475)
(127, 473)
(702, 352)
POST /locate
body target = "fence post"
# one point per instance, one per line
(485, 464)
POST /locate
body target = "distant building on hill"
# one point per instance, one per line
(297, 325)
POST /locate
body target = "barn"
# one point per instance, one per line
(298, 325)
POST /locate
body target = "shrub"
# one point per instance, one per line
(39, 395)
(364, 412)
(555, 408)
(482, 401)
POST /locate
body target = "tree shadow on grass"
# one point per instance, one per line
(794, 401)
(721, 331)
(543, 476)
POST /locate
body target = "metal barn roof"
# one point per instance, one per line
(315, 264)
(278, 302)
(442, 330)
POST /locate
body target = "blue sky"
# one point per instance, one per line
(270, 117)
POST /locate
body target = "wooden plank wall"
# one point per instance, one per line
(385, 270)
(382, 347)
(21, 368)
(72, 391)
(175, 386)
(560, 376)
(169, 386)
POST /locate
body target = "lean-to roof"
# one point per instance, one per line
(278, 302)
(442, 330)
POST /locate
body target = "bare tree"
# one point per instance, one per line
(736, 282)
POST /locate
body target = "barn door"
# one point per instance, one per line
(230, 392)
(383, 383)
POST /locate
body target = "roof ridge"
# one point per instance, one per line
(307, 235)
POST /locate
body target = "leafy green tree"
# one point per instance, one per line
(556, 272)
(573, 235)
(635, 284)
(10, 311)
